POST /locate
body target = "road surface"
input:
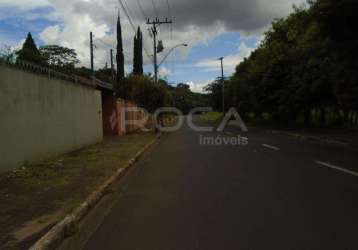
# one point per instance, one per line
(275, 193)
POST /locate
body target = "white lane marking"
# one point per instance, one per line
(337, 142)
(270, 147)
(337, 168)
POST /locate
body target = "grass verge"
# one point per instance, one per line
(211, 117)
(38, 195)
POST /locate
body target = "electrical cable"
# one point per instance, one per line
(133, 26)
(155, 9)
(142, 10)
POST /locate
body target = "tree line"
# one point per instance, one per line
(304, 71)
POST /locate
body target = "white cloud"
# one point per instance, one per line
(194, 24)
(19, 45)
(230, 61)
(24, 4)
(74, 33)
(80, 17)
(164, 72)
(198, 87)
(51, 34)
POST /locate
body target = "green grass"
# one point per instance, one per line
(60, 184)
(211, 117)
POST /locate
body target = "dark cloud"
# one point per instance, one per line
(196, 21)
(238, 15)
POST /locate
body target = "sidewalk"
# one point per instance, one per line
(37, 196)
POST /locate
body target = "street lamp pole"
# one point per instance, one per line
(170, 51)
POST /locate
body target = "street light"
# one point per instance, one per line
(170, 51)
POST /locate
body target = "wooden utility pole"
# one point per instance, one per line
(223, 83)
(154, 24)
(91, 44)
(112, 65)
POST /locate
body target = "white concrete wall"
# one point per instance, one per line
(42, 117)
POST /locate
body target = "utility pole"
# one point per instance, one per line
(112, 65)
(223, 83)
(91, 44)
(154, 24)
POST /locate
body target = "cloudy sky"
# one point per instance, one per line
(212, 28)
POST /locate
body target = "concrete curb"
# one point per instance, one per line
(312, 138)
(69, 225)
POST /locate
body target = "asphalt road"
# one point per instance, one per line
(274, 193)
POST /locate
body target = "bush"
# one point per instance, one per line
(144, 92)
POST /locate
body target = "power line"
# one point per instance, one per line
(104, 43)
(129, 10)
(127, 14)
(92, 54)
(169, 10)
(171, 18)
(142, 10)
(155, 8)
(133, 26)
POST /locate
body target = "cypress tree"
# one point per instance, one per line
(138, 54)
(29, 51)
(140, 51)
(135, 56)
(120, 55)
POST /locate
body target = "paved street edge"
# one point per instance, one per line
(69, 225)
(312, 138)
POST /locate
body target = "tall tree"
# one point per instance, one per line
(120, 55)
(29, 51)
(60, 57)
(7, 53)
(135, 55)
(305, 69)
(138, 53)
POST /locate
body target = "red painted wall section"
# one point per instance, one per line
(136, 114)
(121, 117)
(109, 114)
(115, 115)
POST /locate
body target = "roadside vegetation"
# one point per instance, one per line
(305, 71)
(211, 117)
(142, 90)
(56, 186)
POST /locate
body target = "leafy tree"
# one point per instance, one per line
(60, 57)
(215, 90)
(84, 72)
(184, 99)
(144, 92)
(29, 52)
(304, 71)
(7, 53)
(104, 74)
